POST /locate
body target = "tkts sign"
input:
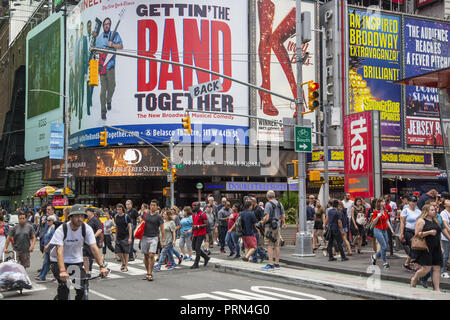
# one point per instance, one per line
(359, 153)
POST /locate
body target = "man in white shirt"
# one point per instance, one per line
(67, 255)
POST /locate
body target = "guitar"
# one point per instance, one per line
(106, 57)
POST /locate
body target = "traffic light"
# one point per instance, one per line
(104, 138)
(313, 95)
(187, 124)
(166, 192)
(165, 165)
(292, 169)
(93, 72)
(174, 175)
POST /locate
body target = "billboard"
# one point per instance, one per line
(43, 72)
(150, 98)
(276, 64)
(358, 154)
(426, 50)
(375, 63)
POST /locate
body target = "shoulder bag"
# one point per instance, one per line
(139, 232)
(419, 244)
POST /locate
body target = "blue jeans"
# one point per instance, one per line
(45, 265)
(383, 240)
(446, 248)
(233, 242)
(176, 253)
(167, 251)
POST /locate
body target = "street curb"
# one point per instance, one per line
(386, 277)
(313, 284)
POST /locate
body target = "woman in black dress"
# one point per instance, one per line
(358, 222)
(428, 227)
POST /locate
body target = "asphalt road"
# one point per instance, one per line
(181, 283)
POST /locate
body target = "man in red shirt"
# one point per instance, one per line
(200, 221)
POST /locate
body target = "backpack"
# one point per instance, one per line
(83, 231)
(274, 222)
(126, 218)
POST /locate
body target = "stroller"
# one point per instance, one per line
(13, 276)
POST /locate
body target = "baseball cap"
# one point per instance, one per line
(412, 199)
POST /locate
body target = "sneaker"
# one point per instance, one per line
(386, 265)
(157, 268)
(188, 259)
(37, 279)
(373, 259)
(172, 266)
(180, 259)
(276, 266)
(194, 266)
(237, 256)
(332, 259)
(268, 267)
(445, 275)
(168, 265)
(407, 266)
(222, 250)
(344, 259)
(231, 254)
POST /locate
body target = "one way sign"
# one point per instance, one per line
(205, 88)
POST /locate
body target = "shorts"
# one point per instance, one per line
(24, 259)
(275, 235)
(149, 245)
(249, 242)
(122, 246)
(186, 240)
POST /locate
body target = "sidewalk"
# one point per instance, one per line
(355, 277)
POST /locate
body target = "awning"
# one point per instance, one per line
(435, 79)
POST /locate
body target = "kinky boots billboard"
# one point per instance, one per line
(362, 154)
(211, 160)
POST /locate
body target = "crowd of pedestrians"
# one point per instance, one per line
(250, 231)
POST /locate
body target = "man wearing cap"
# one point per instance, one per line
(67, 256)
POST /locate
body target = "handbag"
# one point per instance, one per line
(419, 244)
(327, 234)
(139, 232)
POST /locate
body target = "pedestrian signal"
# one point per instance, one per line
(104, 138)
(292, 169)
(93, 72)
(187, 124)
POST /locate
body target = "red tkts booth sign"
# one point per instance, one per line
(358, 154)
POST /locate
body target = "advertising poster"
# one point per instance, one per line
(44, 78)
(375, 61)
(276, 64)
(150, 98)
(426, 50)
(358, 154)
(56, 141)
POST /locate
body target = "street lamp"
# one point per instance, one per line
(66, 134)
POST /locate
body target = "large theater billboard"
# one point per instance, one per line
(150, 98)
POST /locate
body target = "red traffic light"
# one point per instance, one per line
(313, 86)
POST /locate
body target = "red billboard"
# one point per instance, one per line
(358, 154)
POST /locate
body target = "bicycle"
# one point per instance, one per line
(86, 288)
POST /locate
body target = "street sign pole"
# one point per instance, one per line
(303, 243)
(172, 185)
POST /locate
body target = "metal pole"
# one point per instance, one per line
(119, 53)
(66, 111)
(303, 245)
(172, 185)
(325, 109)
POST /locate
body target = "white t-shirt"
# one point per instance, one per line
(73, 245)
(348, 205)
(411, 217)
(445, 215)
